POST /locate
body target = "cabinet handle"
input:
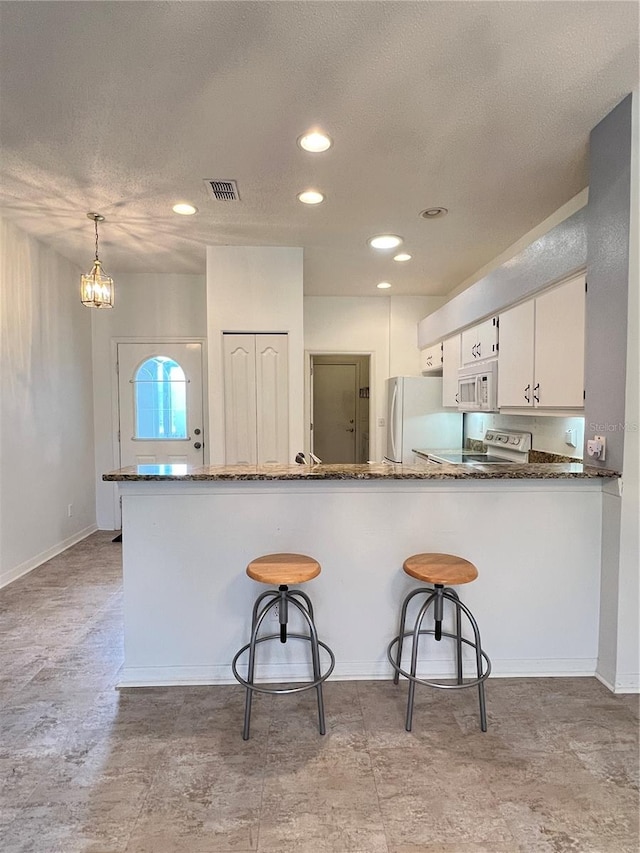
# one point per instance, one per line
(479, 350)
(536, 392)
(473, 350)
(457, 398)
(526, 393)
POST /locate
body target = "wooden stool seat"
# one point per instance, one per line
(445, 569)
(283, 569)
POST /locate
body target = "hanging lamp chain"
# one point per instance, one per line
(96, 224)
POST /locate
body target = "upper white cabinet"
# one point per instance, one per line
(450, 367)
(431, 359)
(480, 342)
(542, 350)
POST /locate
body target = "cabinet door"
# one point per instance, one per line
(272, 406)
(469, 342)
(487, 339)
(240, 399)
(559, 346)
(431, 359)
(480, 342)
(450, 367)
(515, 368)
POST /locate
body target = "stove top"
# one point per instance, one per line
(504, 447)
(460, 458)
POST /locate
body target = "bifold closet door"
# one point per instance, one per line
(256, 398)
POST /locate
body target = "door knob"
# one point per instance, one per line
(197, 445)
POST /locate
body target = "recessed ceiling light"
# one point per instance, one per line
(310, 197)
(383, 285)
(433, 212)
(315, 141)
(403, 256)
(384, 241)
(184, 209)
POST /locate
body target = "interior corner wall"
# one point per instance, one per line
(628, 636)
(611, 378)
(46, 412)
(385, 326)
(254, 289)
(147, 306)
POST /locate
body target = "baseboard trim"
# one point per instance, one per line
(626, 684)
(33, 562)
(166, 676)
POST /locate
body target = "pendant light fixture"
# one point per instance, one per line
(96, 288)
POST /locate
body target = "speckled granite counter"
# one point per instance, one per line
(376, 471)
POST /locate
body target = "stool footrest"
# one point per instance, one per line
(298, 688)
(429, 683)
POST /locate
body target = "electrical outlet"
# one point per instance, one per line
(69, 510)
(596, 447)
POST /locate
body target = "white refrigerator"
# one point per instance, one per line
(416, 419)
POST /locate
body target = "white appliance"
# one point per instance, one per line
(415, 417)
(504, 447)
(478, 387)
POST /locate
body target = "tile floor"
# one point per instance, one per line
(85, 768)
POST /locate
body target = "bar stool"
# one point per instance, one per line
(441, 570)
(283, 569)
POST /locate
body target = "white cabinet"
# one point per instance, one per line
(480, 342)
(431, 359)
(256, 408)
(515, 368)
(542, 350)
(450, 367)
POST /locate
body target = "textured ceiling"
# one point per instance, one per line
(125, 107)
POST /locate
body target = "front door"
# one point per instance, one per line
(335, 388)
(160, 403)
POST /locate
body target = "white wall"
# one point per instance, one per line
(548, 433)
(385, 326)
(147, 306)
(254, 289)
(46, 423)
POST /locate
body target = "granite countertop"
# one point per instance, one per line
(372, 471)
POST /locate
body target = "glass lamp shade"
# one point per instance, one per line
(96, 288)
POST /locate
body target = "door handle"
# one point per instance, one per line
(197, 445)
(350, 429)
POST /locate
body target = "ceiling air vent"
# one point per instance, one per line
(223, 190)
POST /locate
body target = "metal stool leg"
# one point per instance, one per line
(257, 621)
(315, 655)
(414, 659)
(453, 593)
(402, 628)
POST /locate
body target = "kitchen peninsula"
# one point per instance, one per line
(532, 530)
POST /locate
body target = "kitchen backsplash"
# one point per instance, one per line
(548, 434)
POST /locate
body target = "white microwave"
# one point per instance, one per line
(478, 387)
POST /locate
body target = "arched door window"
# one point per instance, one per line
(160, 398)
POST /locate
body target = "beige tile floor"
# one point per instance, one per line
(85, 768)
